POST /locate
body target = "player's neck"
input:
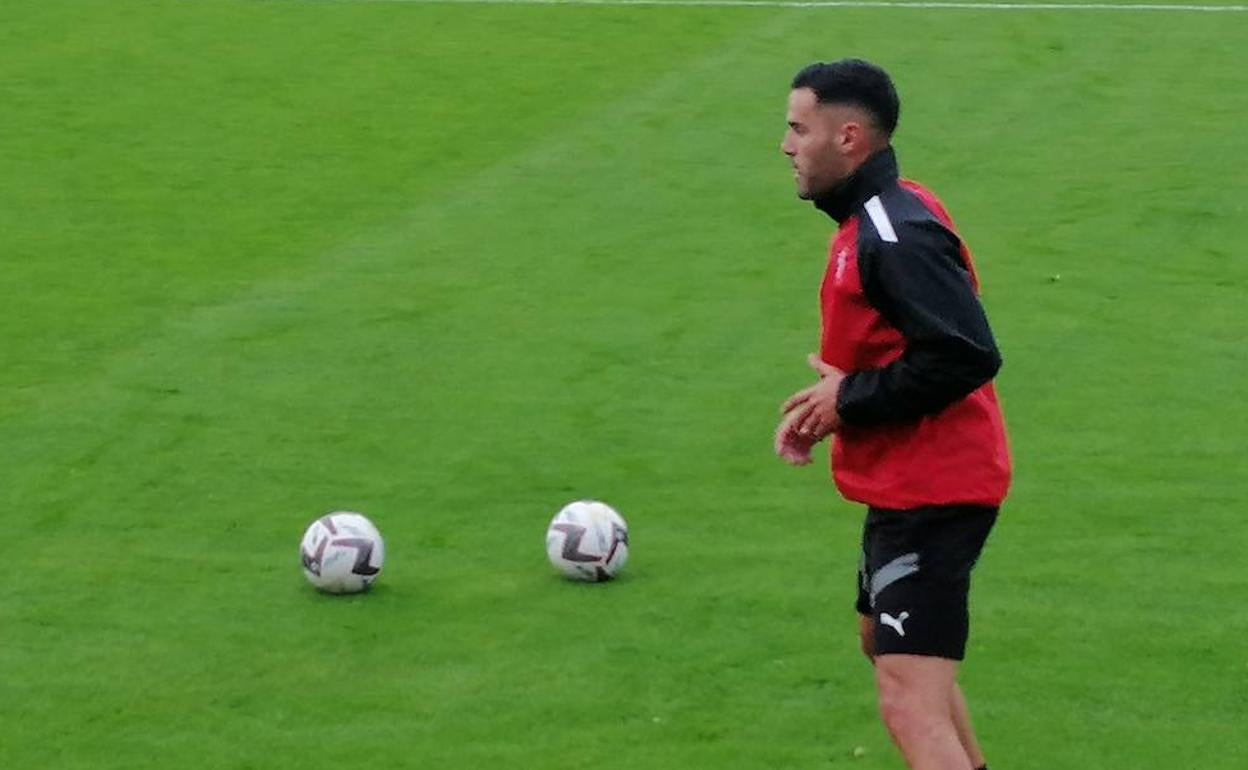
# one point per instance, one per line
(877, 171)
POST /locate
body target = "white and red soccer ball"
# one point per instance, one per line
(342, 553)
(587, 540)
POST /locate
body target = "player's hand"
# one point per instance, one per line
(791, 447)
(811, 412)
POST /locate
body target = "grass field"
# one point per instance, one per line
(454, 266)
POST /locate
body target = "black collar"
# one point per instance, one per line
(876, 173)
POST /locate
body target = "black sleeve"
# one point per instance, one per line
(921, 287)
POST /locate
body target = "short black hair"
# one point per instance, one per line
(856, 82)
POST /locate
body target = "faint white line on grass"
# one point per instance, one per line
(934, 5)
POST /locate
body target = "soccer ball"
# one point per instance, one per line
(342, 553)
(587, 540)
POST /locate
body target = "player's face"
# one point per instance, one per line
(815, 144)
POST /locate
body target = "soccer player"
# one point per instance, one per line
(905, 371)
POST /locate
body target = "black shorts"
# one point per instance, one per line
(915, 576)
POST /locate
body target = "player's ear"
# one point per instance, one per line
(851, 136)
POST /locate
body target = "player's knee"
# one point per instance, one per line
(906, 712)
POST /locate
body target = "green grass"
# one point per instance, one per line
(454, 266)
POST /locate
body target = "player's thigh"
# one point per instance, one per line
(922, 681)
(866, 635)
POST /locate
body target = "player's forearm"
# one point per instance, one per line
(925, 381)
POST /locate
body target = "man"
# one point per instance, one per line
(906, 364)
